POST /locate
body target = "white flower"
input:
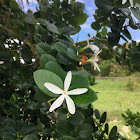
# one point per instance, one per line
(90, 38)
(94, 48)
(1, 62)
(96, 51)
(65, 94)
(131, 2)
(94, 61)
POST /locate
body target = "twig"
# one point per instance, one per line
(53, 112)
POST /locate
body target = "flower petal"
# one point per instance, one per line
(70, 104)
(96, 53)
(124, 1)
(95, 59)
(57, 103)
(92, 36)
(96, 66)
(131, 3)
(53, 88)
(94, 48)
(77, 91)
(67, 81)
(87, 41)
(1, 62)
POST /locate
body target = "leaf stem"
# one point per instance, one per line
(86, 47)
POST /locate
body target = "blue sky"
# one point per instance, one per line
(90, 8)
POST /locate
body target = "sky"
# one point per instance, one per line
(86, 29)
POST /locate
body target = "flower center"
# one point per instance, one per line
(65, 92)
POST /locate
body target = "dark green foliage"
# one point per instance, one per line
(103, 117)
(112, 69)
(132, 120)
(23, 106)
(114, 15)
(48, 53)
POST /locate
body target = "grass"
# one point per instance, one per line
(115, 97)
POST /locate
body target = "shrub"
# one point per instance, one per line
(133, 120)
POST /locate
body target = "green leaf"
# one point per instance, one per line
(103, 117)
(63, 60)
(38, 29)
(79, 81)
(78, 28)
(38, 38)
(127, 33)
(43, 21)
(68, 30)
(97, 113)
(42, 48)
(78, 20)
(105, 5)
(13, 99)
(61, 48)
(113, 38)
(66, 138)
(28, 129)
(106, 128)
(55, 68)
(96, 26)
(83, 73)
(43, 76)
(52, 28)
(136, 12)
(30, 137)
(29, 18)
(86, 98)
(77, 118)
(84, 130)
(46, 58)
(73, 55)
(136, 59)
(62, 117)
(132, 25)
(64, 128)
(104, 31)
(13, 5)
(41, 97)
(26, 54)
(113, 133)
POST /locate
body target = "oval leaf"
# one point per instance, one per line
(103, 117)
(43, 76)
(77, 118)
(52, 28)
(55, 68)
(46, 58)
(113, 133)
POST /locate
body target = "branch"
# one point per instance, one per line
(22, 39)
(104, 41)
